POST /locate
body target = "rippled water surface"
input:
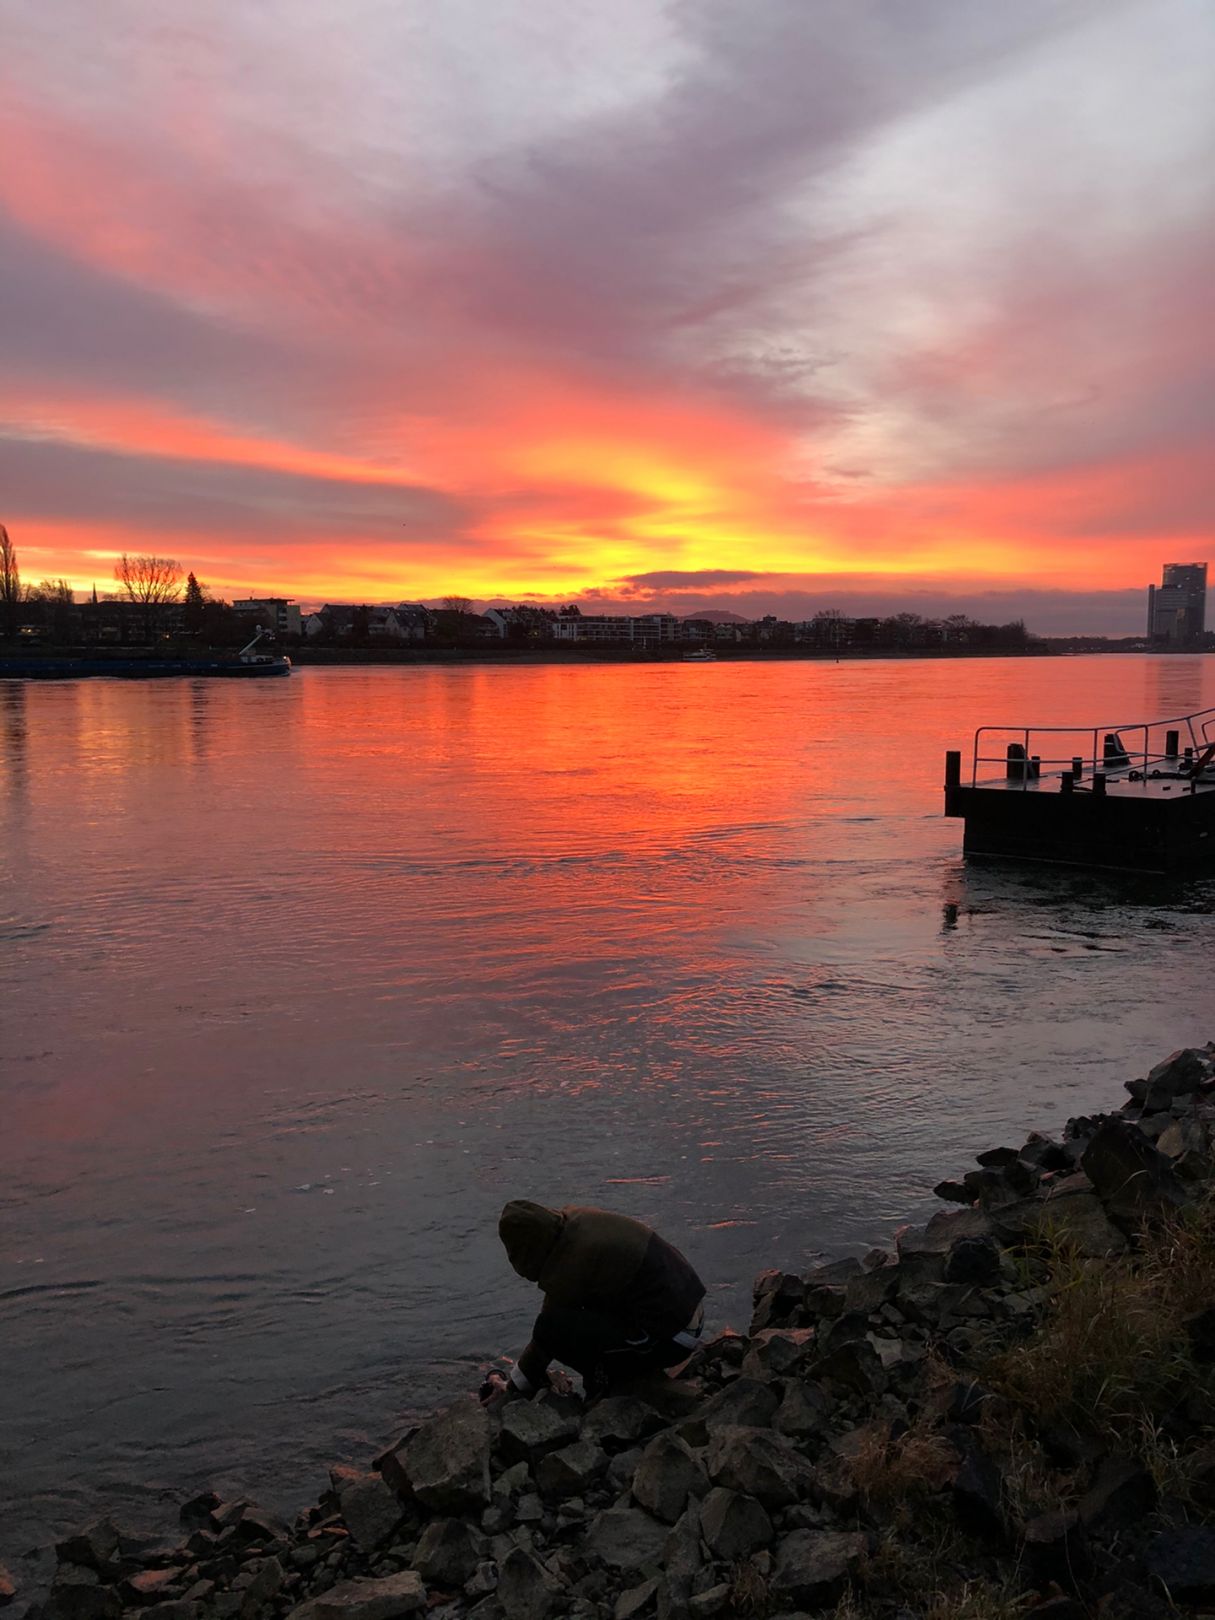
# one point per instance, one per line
(303, 979)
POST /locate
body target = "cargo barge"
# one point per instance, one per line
(1132, 798)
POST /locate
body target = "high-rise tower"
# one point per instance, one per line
(1177, 607)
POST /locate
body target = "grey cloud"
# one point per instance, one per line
(686, 579)
(49, 479)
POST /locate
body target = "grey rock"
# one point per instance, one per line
(264, 1586)
(621, 1468)
(379, 1598)
(627, 1538)
(93, 1548)
(196, 1513)
(759, 1463)
(855, 1366)
(526, 1590)
(446, 1462)
(619, 1421)
(448, 1552)
(530, 1428)
(977, 1494)
(804, 1411)
(1077, 1217)
(777, 1351)
(8, 1587)
(871, 1290)
(569, 1471)
(733, 1525)
(973, 1260)
(1181, 1073)
(941, 1232)
(1121, 1495)
(746, 1401)
(713, 1600)
(813, 1567)
(483, 1580)
(147, 1586)
(681, 1550)
(372, 1510)
(529, 1509)
(1183, 1561)
(1134, 1180)
(1056, 1550)
(636, 1600)
(77, 1594)
(667, 1474)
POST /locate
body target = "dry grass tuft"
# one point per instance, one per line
(915, 1464)
(749, 1593)
(1110, 1352)
(977, 1600)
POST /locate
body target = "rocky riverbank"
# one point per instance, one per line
(1012, 1410)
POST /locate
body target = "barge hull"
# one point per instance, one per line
(1136, 831)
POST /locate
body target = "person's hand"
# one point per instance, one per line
(560, 1382)
(494, 1391)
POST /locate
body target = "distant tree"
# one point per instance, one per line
(360, 624)
(150, 583)
(457, 604)
(55, 598)
(10, 585)
(194, 605)
(573, 611)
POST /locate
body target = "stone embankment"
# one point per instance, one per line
(1013, 1410)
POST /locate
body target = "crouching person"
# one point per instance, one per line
(619, 1301)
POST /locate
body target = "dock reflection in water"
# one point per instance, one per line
(304, 980)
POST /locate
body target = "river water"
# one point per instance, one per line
(303, 979)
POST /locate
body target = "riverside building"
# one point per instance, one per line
(1177, 607)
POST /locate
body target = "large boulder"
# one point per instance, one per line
(1183, 1561)
(571, 1470)
(666, 1476)
(627, 1539)
(93, 1548)
(526, 1590)
(759, 1463)
(745, 1401)
(448, 1552)
(445, 1463)
(733, 1525)
(530, 1428)
(77, 1594)
(371, 1509)
(383, 1598)
(619, 1421)
(1133, 1180)
(813, 1567)
(1076, 1218)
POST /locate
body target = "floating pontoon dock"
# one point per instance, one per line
(1138, 798)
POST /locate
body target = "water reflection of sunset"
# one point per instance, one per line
(306, 979)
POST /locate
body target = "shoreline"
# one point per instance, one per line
(890, 1431)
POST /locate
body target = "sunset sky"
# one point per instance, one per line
(769, 305)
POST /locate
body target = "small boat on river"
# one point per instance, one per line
(702, 655)
(247, 664)
(1136, 798)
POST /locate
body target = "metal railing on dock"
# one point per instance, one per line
(1021, 756)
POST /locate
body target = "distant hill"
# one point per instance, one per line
(716, 616)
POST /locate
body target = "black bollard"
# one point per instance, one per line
(1171, 742)
(1099, 783)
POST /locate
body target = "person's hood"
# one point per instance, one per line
(528, 1232)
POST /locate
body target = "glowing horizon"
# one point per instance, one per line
(684, 306)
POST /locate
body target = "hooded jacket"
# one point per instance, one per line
(594, 1260)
